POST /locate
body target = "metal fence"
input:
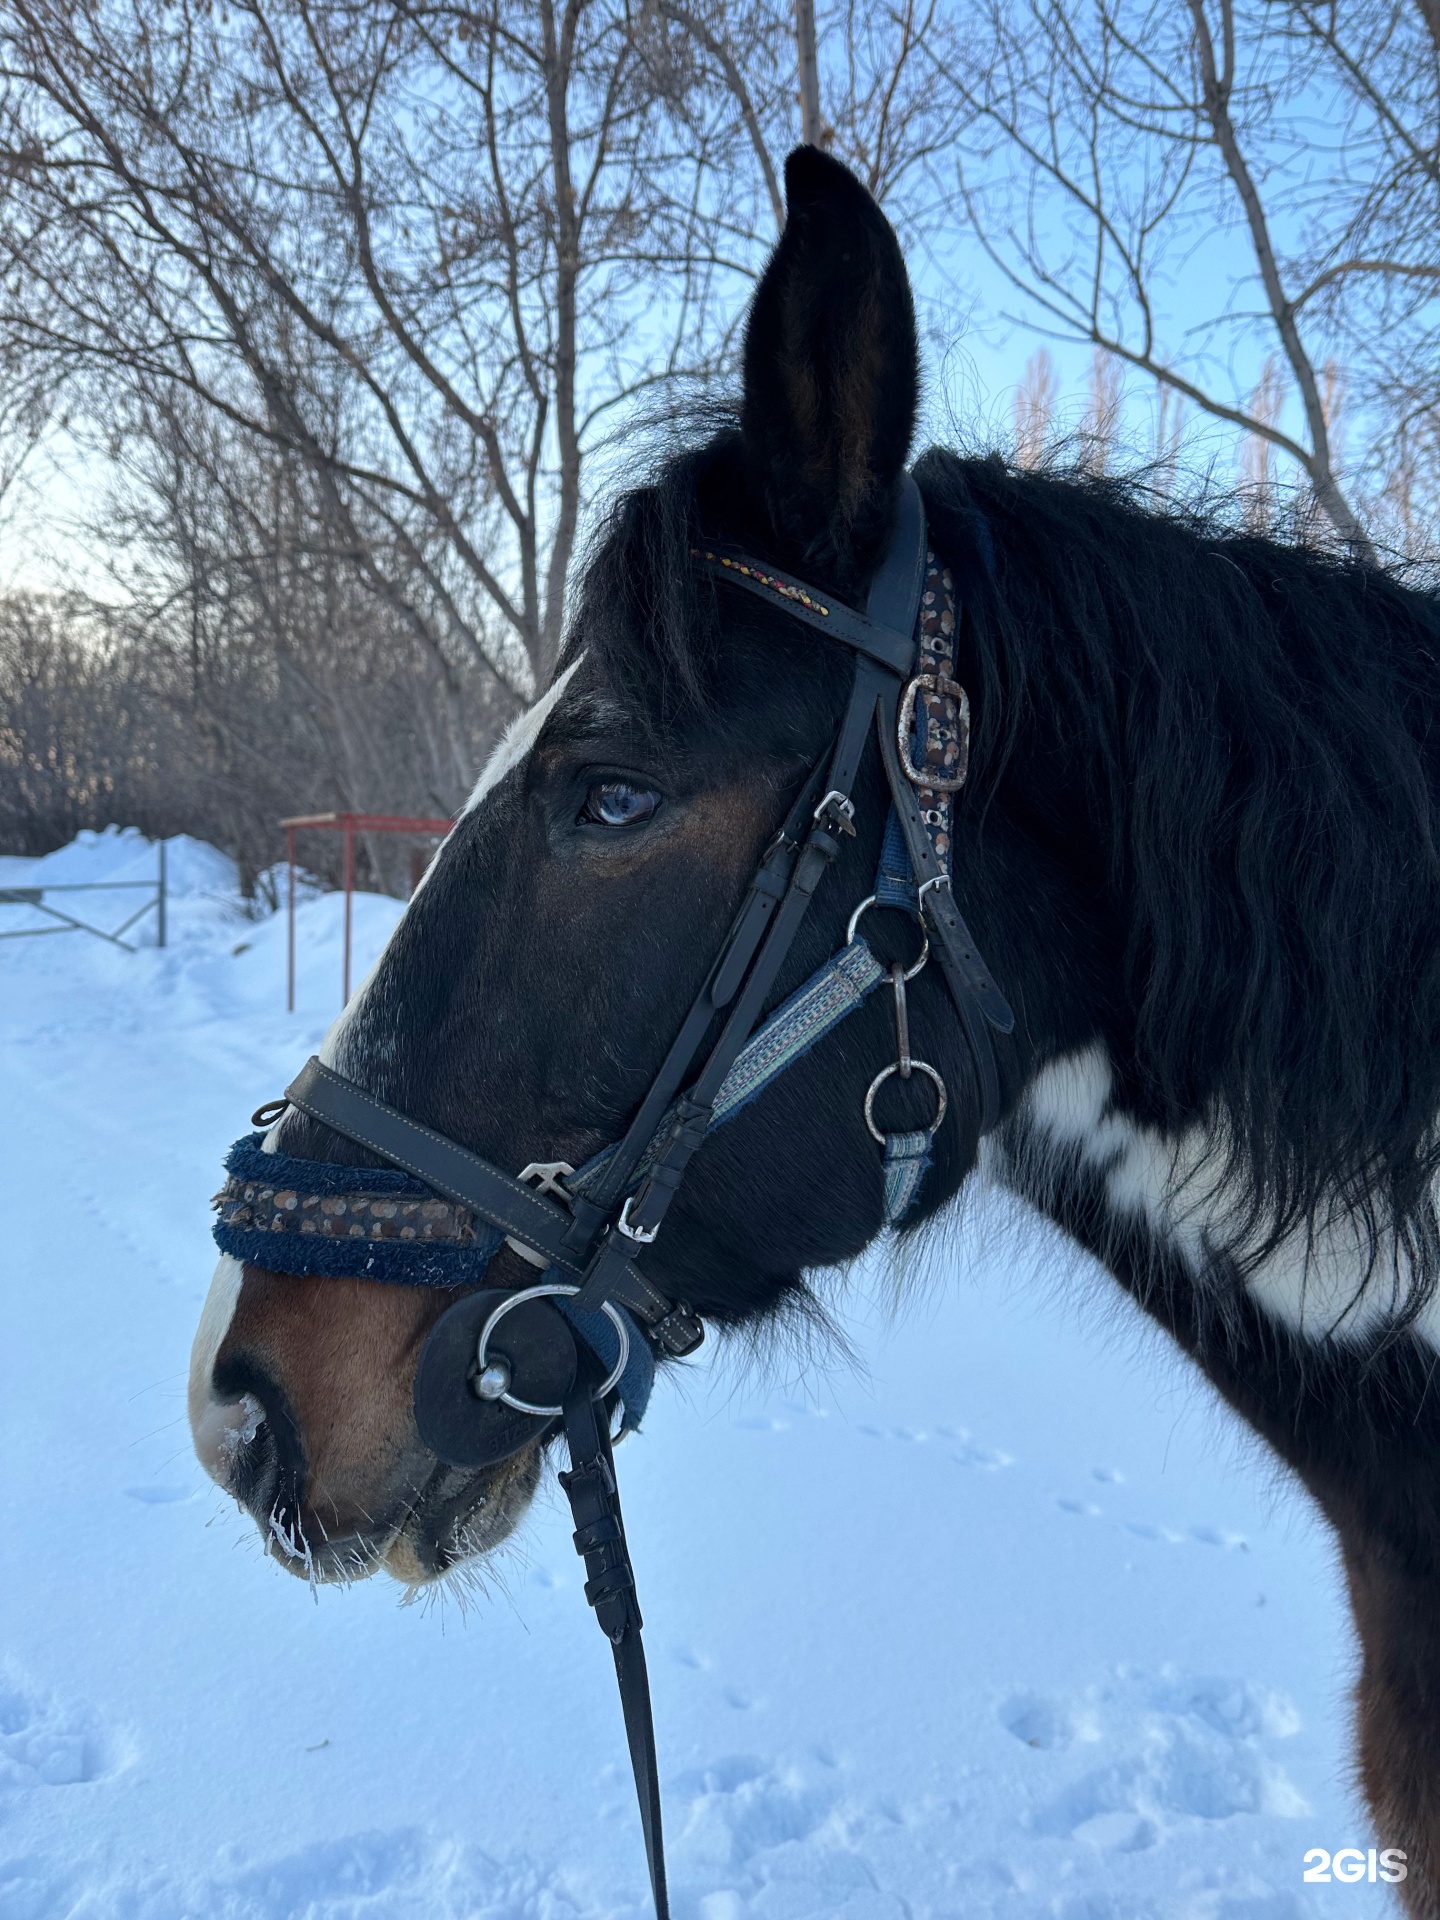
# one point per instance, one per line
(39, 899)
(349, 824)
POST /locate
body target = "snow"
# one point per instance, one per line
(1005, 1619)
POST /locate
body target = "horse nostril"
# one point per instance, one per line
(226, 1432)
(246, 1437)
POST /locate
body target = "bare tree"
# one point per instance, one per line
(485, 228)
(242, 674)
(813, 130)
(1116, 147)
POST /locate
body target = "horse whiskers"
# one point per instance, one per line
(292, 1541)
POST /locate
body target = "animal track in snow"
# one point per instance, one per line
(737, 1808)
(1170, 1751)
(1177, 1536)
(44, 1744)
(1037, 1722)
(968, 1452)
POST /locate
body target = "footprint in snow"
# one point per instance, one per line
(43, 1744)
(1183, 1747)
(1175, 1536)
(1037, 1722)
(155, 1496)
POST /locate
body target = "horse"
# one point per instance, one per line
(1196, 846)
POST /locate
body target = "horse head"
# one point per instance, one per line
(532, 987)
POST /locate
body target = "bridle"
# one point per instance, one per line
(503, 1365)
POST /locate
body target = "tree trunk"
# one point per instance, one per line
(813, 130)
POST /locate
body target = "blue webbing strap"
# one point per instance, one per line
(814, 1010)
(895, 882)
(907, 1161)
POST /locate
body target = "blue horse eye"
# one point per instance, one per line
(615, 803)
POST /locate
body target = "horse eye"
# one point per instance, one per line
(615, 803)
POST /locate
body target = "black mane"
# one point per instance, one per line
(1253, 723)
(1249, 723)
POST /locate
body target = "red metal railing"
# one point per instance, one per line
(349, 824)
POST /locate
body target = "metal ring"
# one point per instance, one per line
(885, 1073)
(607, 1307)
(924, 933)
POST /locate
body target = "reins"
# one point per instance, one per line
(503, 1366)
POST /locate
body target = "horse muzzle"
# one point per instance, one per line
(300, 1409)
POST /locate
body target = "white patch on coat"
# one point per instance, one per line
(514, 745)
(1311, 1282)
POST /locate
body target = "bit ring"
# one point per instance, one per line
(607, 1307)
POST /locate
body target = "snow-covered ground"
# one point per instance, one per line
(1006, 1622)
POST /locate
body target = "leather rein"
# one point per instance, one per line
(503, 1365)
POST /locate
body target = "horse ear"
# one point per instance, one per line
(832, 370)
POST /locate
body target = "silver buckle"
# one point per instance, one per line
(837, 811)
(546, 1177)
(642, 1236)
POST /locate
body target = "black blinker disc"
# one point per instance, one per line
(532, 1340)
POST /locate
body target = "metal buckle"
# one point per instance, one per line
(680, 1332)
(546, 1176)
(642, 1236)
(496, 1387)
(836, 811)
(947, 689)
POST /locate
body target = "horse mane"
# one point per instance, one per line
(1252, 720)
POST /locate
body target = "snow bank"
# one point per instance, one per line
(1007, 1628)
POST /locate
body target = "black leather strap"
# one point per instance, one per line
(885, 632)
(747, 931)
(443, 1164)
(891, 647)
(594, 1498)
(978, 1001)
(893, 605)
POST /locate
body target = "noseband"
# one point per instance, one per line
(502, 1366)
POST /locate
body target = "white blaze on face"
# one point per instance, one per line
(511, 751)
(217, 1430)
(514, 745)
